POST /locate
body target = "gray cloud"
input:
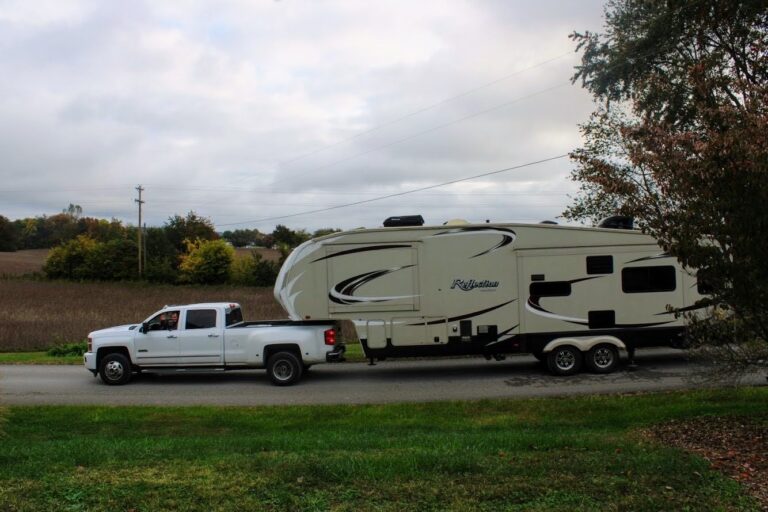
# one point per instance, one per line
(243, 110)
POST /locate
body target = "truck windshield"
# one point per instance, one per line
(235, 316)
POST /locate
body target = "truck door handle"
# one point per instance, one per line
(171, 336)
(213, 335)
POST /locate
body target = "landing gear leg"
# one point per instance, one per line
(631, 364)
(370, 362)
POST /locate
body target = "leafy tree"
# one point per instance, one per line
(103, 230)
(679, 140)
(8, 235)
(84, 258)
(285, 235)
(73, 210)
(206, 262)
(67, 261)
(242, 237)
(162, 259)
(192, 227)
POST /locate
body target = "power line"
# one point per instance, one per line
(428, 130)
(435, 128)
(398, 194)
(422, 110)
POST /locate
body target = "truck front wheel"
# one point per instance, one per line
(284, 369)
(115, 369)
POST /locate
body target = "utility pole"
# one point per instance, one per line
(140, 189)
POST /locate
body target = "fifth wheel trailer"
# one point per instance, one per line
(568, 295)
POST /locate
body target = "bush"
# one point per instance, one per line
(68, 349)
(66, 260)
(206, 262)
(85, 258)
(254, 271)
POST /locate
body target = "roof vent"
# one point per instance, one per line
(548, 222)
(455, 222)
(617, 222)
(404, 220)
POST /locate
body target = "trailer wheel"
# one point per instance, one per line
(603, 358)
(284, 369)
(565, 360)
(115, 369)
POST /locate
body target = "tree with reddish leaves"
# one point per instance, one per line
(679, 140)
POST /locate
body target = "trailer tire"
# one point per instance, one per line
(565, 360)
(603, 358)
(115, 369)
(284, 369)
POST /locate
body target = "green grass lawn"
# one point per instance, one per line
(37, 358)
(548, 454)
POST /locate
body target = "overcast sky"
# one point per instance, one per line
(249, 110)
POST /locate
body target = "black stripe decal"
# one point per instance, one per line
(464, 317)
(657, 257)
(502, 333)
(362, 249)
(692, 307)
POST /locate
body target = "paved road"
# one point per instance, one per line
(351, 383)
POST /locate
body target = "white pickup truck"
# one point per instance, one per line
(211, 336)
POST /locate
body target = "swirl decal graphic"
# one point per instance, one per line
(507, 236)
(343, 293)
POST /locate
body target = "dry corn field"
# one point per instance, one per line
(38, 314)
(22, 262)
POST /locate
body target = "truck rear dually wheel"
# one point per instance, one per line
(284, 369)
(115, 369)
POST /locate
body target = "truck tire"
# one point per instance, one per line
(115, 369)
(284, 369)
(565, 360)
(603, 358)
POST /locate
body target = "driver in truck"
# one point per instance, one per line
(173, 321)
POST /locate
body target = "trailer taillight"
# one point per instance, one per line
(330, 336)
(90, 344)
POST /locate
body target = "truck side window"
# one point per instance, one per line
(234, 317)
(201, 318)
(167, 321)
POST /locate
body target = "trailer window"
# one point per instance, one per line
(201, 318)
(599, 264)
(550, 289)
(234, 317)
(648, 279)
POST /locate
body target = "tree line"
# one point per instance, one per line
(183, 250)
